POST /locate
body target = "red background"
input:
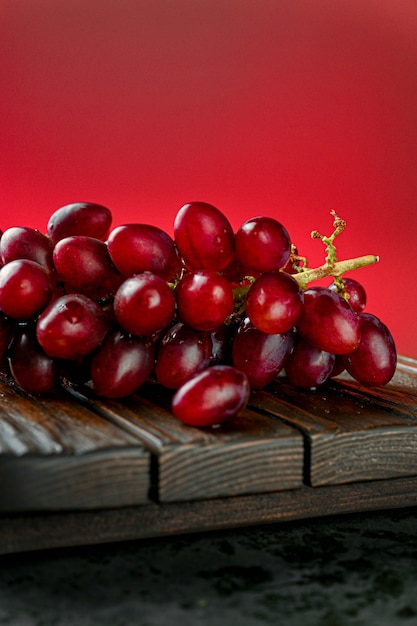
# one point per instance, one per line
(288, 108)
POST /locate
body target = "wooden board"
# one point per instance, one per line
(352, 433)
(72, 452)
(55, 454)
(250, 454)
(37, 531)
(77, 470)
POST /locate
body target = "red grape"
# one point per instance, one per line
(328, 322)
(263, 244)
(33, 370)
(214, 395)
(84, 265)
(204, 236)
(261, 356)
(144, 304)
(121, 365)
(79, 218)
(182, 353)
(308, 367)
(204, 299)
(22, 242)
(274, 302)
(136, 248)
(25, 289)
(355, 292)
(374, 361)
(71, 327)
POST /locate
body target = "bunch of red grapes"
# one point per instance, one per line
(208, 313)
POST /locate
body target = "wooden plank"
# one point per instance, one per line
(88, 481)
(401, 391)
(352, 433)
(20, 533)
(249, 454)
(56, 454)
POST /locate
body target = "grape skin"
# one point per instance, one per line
(33, 370)
(204, 299)
(374, 361)
(25, 289)
(121, 365)
(136, 248)
(274, 302)
(84, 265)
(204, 236)
(260, 355)
(79, 218)
(182, 353)
(144, 304)
(71, 327)
(328, 322)
(308, 367)
(355, 292)
(263, 244)
(214, 395)
(22, 242)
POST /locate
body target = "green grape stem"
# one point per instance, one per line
(335, 269)
(308, 275)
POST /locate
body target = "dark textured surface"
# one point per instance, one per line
(356, 570)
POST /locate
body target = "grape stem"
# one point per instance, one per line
(305, 275)
(335, 269)
(308, 275)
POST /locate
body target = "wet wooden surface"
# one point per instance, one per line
(352, 433)
(75, 469)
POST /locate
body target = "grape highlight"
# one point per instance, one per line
(208, 313)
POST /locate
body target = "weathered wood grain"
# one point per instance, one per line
(249, 454)
(21, 533)
(56, 454)
(89, 481)
(401, 391)
(352, 433)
